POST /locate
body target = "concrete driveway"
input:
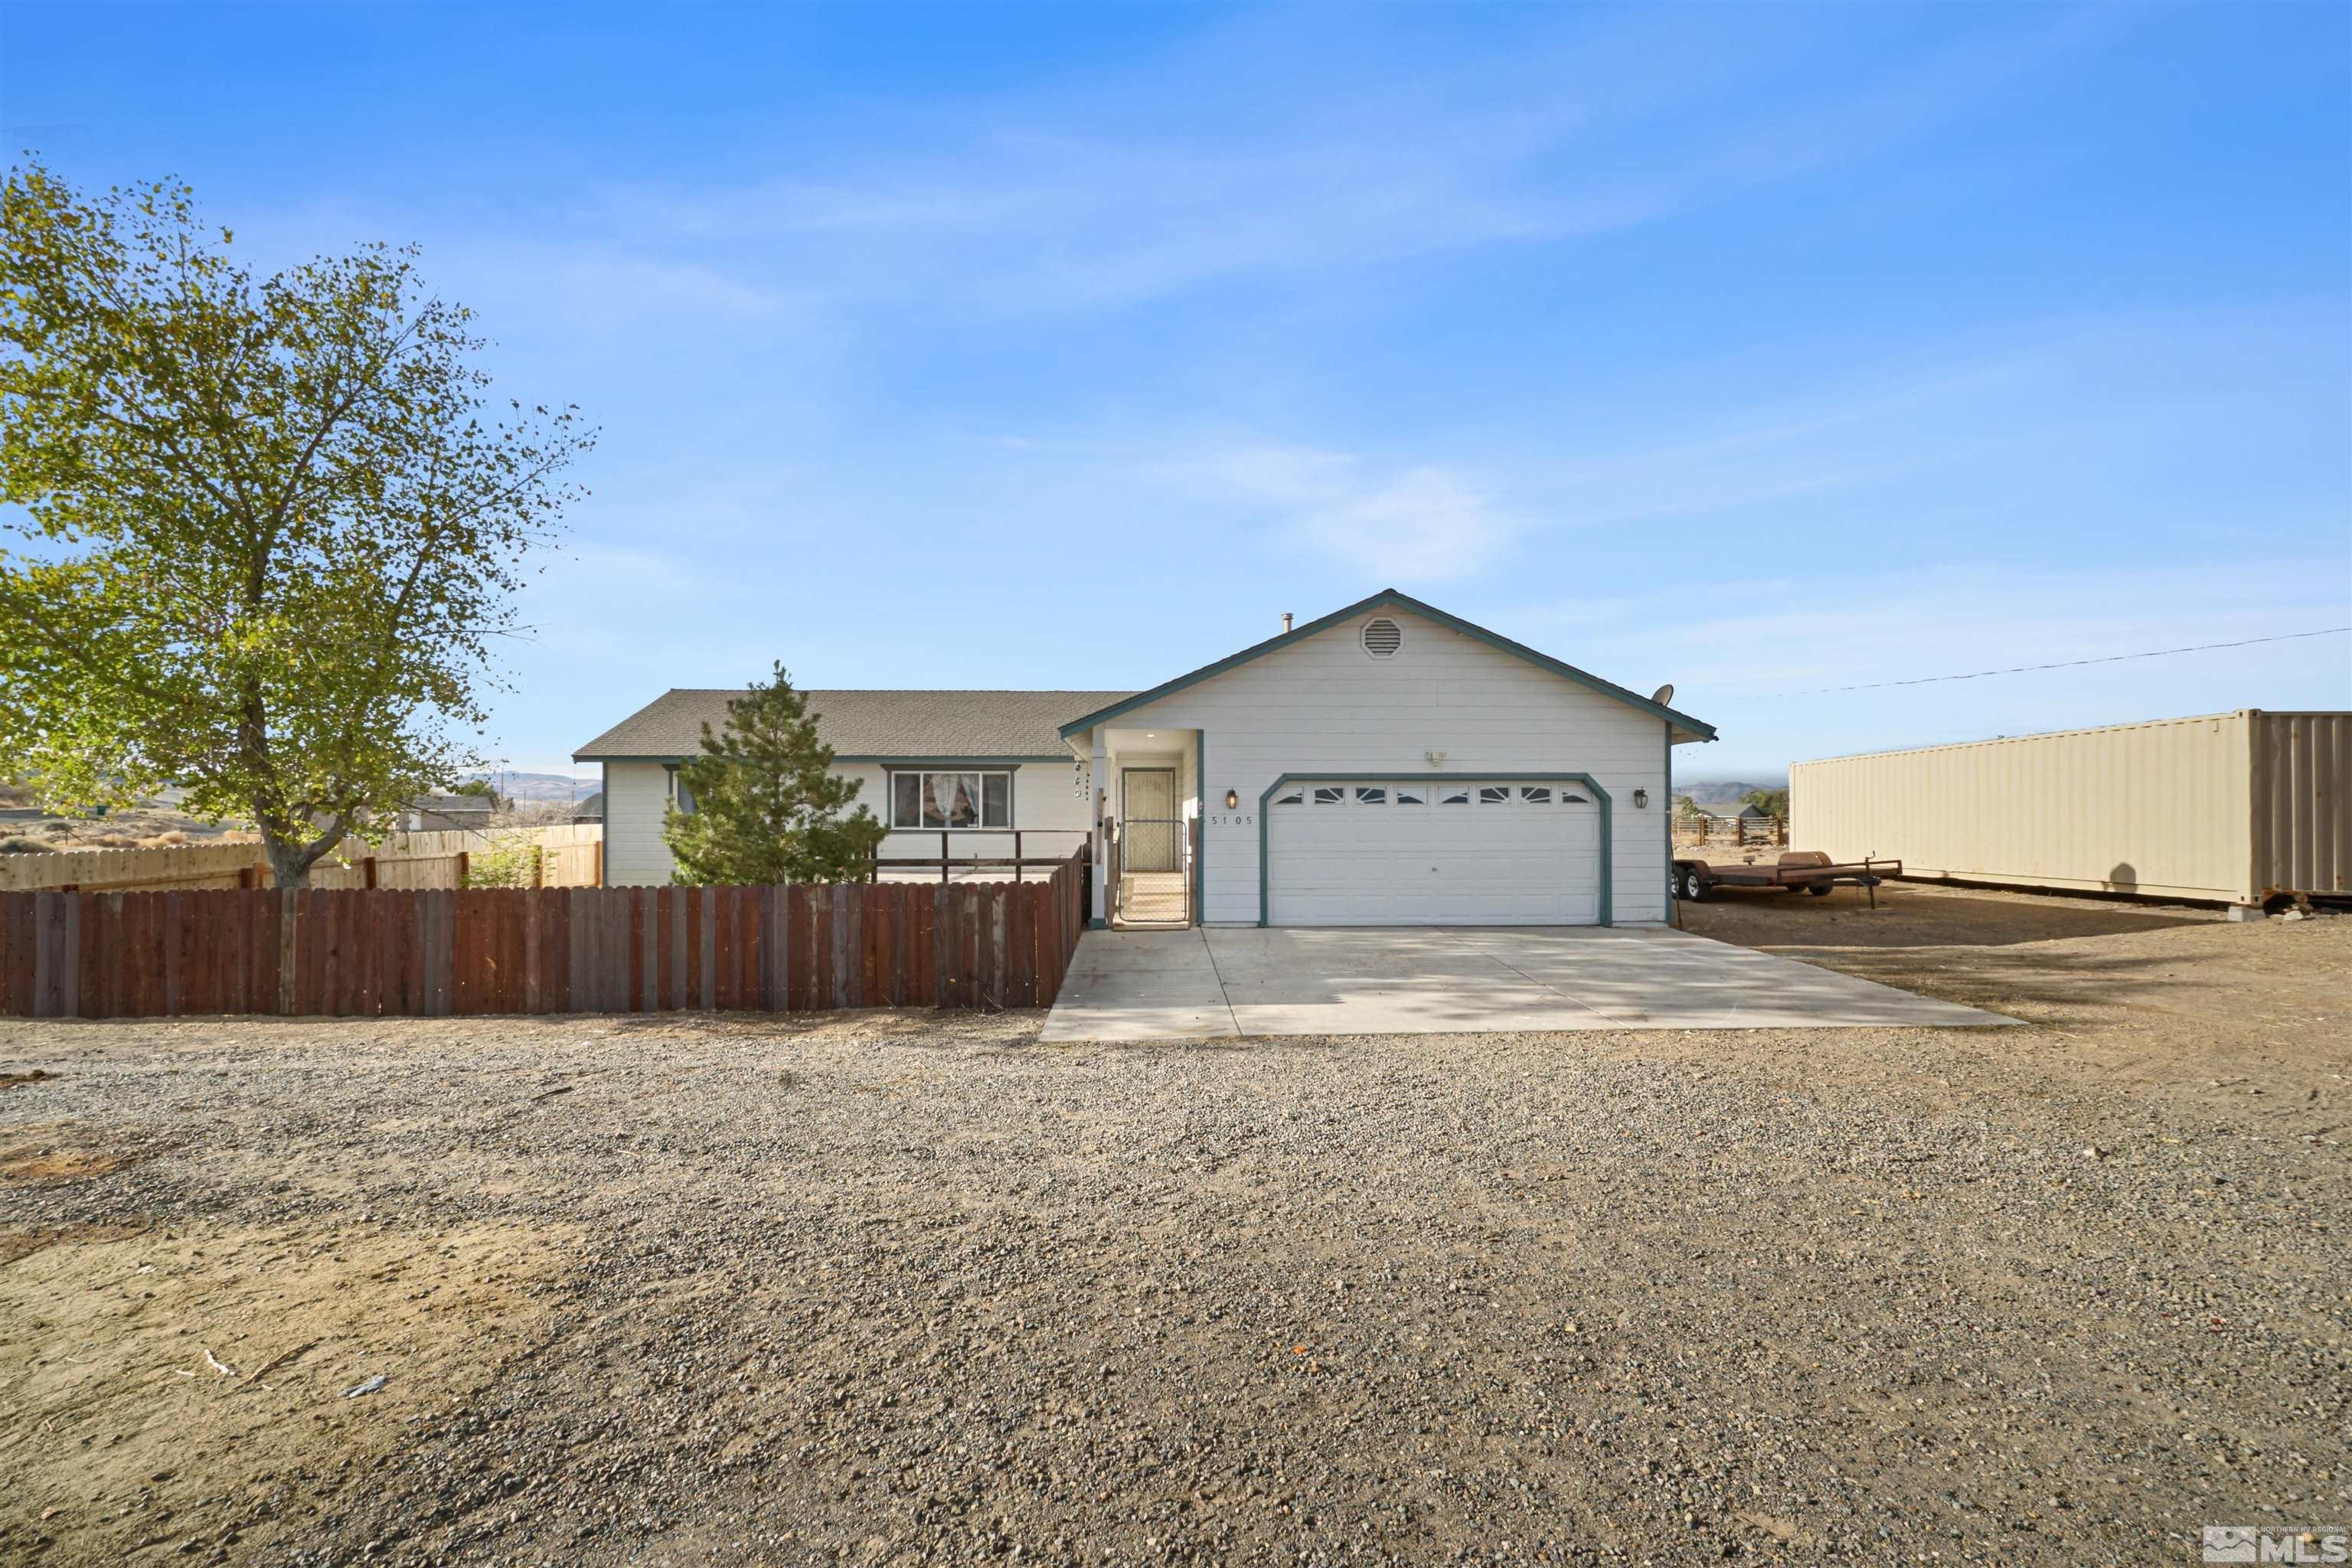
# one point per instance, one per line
(1203, 984)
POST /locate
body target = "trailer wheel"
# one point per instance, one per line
(1695, 885)
(1818, 890)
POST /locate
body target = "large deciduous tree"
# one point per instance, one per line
(763, 803)
(267, 527)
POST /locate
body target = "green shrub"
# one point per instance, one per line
(503, 863)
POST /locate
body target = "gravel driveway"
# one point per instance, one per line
(901, 1287)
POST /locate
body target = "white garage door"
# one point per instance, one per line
(1414, 852)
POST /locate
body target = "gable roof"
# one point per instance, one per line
(1692, 728)
(867, 726)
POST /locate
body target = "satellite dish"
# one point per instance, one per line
(1663, 694)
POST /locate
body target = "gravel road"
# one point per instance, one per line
(907, 1287)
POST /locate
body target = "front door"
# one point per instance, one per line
(1152, 824)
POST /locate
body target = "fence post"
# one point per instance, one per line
(289, 947)
(1017, 853)
(943, 857)
(465, 868)
(367, 870)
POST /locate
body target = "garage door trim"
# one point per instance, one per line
(1266, 799)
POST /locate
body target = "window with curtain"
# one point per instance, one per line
(951, 798)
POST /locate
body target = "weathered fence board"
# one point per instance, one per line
(438, 953)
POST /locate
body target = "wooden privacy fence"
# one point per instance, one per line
(564, 856)
(433, 954)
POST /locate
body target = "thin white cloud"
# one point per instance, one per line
(1424, 525)
(1420, 523)
(1090, 203)
(1752, 653)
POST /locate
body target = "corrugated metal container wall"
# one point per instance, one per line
(2303, 812)
(2226, 806)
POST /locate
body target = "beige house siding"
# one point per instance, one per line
(1051, 814)
(636, 795)
(1042, 803)
(1323, 705)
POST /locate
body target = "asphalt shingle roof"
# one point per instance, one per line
(870, 723)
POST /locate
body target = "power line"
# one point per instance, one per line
(2067, 664)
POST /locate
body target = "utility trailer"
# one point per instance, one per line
(1810, 869)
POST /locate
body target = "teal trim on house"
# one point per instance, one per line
(604, 824)
(1406, 602)
(866, 760)
(951, 761)
(1200, 825)
(1667, 827)
(1601, 796)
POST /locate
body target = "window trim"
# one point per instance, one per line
(1011, 797)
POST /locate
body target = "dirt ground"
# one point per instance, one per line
(2163, 999)
(913, 1287)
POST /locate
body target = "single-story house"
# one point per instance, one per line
(1386, 765)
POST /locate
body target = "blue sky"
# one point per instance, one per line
(1759, 350)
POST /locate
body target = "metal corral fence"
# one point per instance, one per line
(1728, 831)
(566, 856)
(2239, 807)
(434, 953)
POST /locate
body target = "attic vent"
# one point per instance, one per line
(1381, 638)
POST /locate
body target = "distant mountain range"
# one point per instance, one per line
(520, 787)
(1723, 791)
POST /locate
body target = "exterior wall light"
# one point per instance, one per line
(1232, 799)
(1641, 799)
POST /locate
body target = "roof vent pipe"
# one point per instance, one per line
(1286, 620)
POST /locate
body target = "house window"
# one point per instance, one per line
(680, 796)
(1293, 795)
(1570, 797)
(1454, 795)
(1410, 795)
(1536, 795)
(1493, 794)
(951, 798)
(1330, 794)
(1371, 794)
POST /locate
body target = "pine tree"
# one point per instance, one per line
(765, 806)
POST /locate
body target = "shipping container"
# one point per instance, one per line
(2240, 808)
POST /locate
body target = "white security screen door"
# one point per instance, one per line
(1152, 824)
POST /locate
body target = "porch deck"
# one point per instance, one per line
(1148, 899)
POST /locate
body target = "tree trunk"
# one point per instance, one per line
(289, 865)
(291, 859)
